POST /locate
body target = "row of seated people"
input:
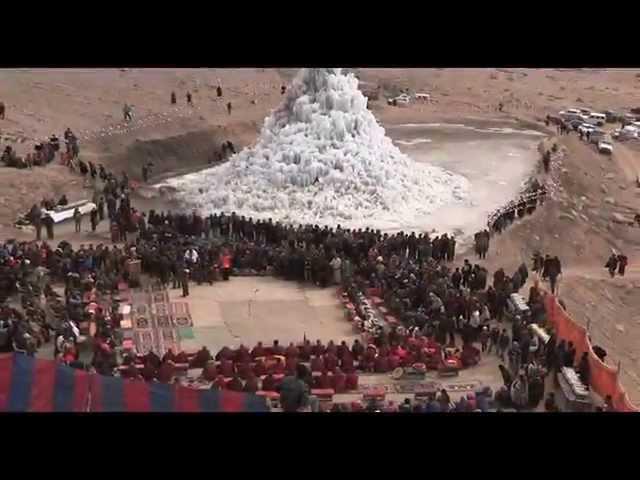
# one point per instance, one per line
(275, 360)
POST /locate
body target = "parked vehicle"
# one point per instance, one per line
(605, 147)
(586, 127)
(598, 119)
(611, 116)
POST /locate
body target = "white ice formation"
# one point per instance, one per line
(322, 158)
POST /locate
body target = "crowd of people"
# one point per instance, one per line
(43, 152)
(532, 196)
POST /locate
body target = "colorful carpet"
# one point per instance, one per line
(159, 324)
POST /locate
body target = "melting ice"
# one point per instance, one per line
(322, 158)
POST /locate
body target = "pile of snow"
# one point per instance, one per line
(322, 158)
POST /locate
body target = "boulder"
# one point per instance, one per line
(566, 216)
(604, 189)
(610, 176)
(610, 200)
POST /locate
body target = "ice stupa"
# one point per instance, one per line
(322, 158)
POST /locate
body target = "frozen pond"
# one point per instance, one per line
(495, 160)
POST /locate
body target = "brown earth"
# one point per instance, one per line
(576, 223)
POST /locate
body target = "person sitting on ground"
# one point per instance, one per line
(276, 349)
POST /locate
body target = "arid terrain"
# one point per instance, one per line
(579, 222)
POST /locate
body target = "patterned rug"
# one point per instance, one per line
(157, 322)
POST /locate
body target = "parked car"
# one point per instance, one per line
(605, 146)
(611, 116)
(598, 119)
(400, 100)
(586, 127)
(574, 124)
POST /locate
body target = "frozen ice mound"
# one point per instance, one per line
(322, 158)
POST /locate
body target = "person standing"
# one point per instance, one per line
(219, 91)
(94, 219)
(101, 209)
(612, 264)
(229, 108)
(48, 224)
(184, 281)
(36, 219)
(173, 98)
(77, 218)
(622, 264)
(294, 391)
(2, 108)
(189, 99)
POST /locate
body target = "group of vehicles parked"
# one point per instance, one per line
(588, 124)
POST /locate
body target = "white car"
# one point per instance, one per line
(585, 127)
(605, 147)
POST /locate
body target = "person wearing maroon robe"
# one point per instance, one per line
(251, 385)
(202, 357)
(317, 364)
(291, 365)
(226, 368)
(330, 361)
(235, 384)
(369, 359)
(279, 367)
(277, 349)
(381, 364)
(347, 364)
(166, 372)
(148, 372)
(269, 383)
(258, 351)
(260, 368)
(291, 351)
(324, 381)
(306, 351)
(131, 372)
(243, 369)
(342, 349)
(210, 371)
(182, 358)
(339, 381)
(242, 355)
(219, 384)
(169, 356)
(225, 353)
(318, 349)
(331, 348)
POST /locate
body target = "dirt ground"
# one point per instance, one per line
(577, 223)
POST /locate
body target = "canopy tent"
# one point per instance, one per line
(31, 385)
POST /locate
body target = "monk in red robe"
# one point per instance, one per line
(306, 351)
(258, 351)
(225, 353)
(251, 385)
(242, 355)
(277, 349)
(318, 349)
(226, 368)
(324, 381)
(219, 384)
(331, 348)
(339, 381)
(210, 371)
(269, 383)
(347, 364)
(291, 351)
(330, 361)
(235, 384)
(317, 364)
(259, 368)
(166, 372)
(290, 365)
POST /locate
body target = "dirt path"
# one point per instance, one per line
(628, 160)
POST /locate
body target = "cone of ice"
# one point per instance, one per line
(322, 158)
